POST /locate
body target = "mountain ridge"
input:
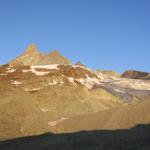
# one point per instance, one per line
(134, 74)
(32, 56)
(44, 93)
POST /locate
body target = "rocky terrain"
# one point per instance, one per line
(42, 93)
(109, 73)
(32, 56)
(134, 74)
(137, 138)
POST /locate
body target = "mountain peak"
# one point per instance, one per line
(31, 49)
(55, 57)
(55, 52)
(32, 56)
(79, 64)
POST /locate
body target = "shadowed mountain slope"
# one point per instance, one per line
(137, 138)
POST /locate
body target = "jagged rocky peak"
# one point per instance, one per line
(54, 57)
(32, 49)
(54, 53)
(32, 56)
(80, 64)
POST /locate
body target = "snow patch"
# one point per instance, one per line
(3, 74)
(100, 75)
(32, 89)
(119, 90)
(26, 71)
(16, 83)
(10, 70)
(71, 80)
(54, 123)
(130, 83)
(41, 73)
(44, 110)
(79, 66)
(89, 82)
(52, 66)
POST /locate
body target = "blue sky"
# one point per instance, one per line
(102, 34)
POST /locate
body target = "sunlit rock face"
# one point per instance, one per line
(32, 56)
(46, 93)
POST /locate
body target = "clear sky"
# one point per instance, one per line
(102, 34)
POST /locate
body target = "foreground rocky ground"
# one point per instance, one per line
(137, 138)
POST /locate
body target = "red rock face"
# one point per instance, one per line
(133, 74)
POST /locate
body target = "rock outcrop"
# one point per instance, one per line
(53, 58)
(133, 74)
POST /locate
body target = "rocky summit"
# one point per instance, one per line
(42, 93)
(32, 56)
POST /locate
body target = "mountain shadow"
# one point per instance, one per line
(137, 138)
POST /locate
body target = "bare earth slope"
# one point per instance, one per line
(35, 99)
(41, 93)
(118, 118)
